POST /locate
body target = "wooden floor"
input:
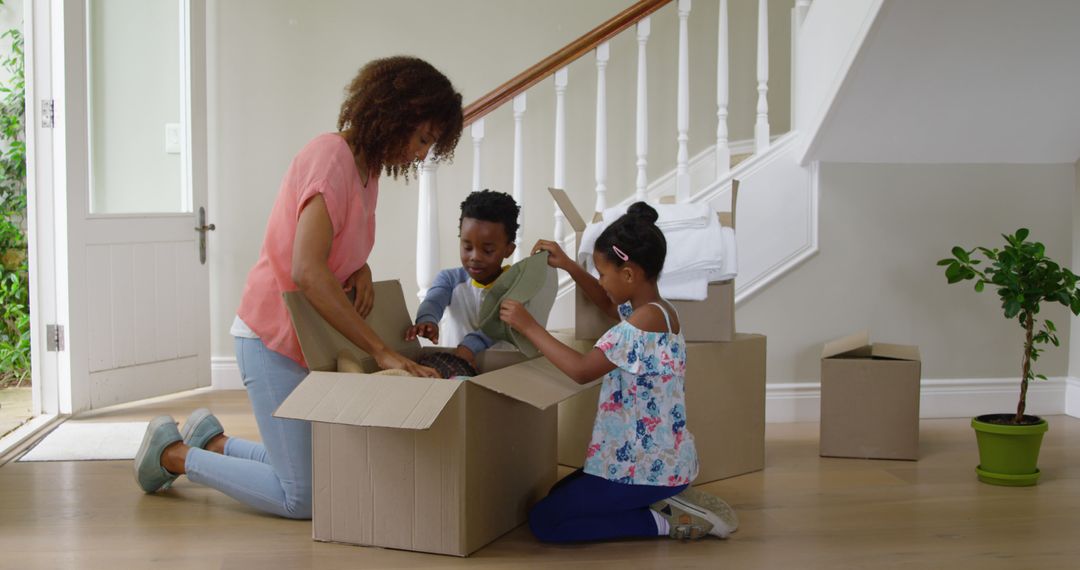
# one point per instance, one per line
(802, 511)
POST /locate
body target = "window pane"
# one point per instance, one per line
(136, 130)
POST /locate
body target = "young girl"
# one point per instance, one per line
(641, 459)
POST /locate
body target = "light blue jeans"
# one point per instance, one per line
(273, 476)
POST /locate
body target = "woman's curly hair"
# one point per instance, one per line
(387, 101)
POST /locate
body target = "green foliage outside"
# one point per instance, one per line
(1024, 278)
(14, 274)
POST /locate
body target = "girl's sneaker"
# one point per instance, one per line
(710, 507)
(682, 524)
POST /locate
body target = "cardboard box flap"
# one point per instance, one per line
(894, 351)
(727, 219)
(368, 400)
(536, 382)
(322, 343)
(857, 344)
(569, 211)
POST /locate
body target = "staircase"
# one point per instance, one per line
(778, 196)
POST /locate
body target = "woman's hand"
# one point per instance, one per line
(557, 258)
(465, 354)
(365, 291)
(514, 314)
(429, 331)
(392, 359)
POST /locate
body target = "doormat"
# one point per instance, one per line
(89, 441)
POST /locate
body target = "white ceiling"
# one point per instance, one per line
(962, 81)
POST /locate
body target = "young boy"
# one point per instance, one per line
(487, 227)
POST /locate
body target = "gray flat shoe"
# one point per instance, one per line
(149, 473)
(200, 427)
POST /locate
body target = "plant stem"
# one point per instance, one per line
(1029, 325)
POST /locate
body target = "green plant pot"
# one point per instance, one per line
(1008, 454)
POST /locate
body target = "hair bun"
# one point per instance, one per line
(643, 212)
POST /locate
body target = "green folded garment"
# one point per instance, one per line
(529, 281)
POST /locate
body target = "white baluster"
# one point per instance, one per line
(602, 56)
(427, 228)
(761, 128)
(723, 151)
(519, 170)
(643, 29)
(477, 139)
(560, 147)
(798, 15)
(682, 168)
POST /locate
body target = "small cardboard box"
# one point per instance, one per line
(869, 399)
(711, 320)
(725, 408)
(431, 465)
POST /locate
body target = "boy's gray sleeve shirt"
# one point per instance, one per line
(438, 295)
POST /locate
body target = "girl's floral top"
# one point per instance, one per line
(640, 434)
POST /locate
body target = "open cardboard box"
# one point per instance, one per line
(432, 465)
(725, 407)
(711, 320)
(869, 399)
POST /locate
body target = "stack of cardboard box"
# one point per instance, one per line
(447, 466)
(725, 376)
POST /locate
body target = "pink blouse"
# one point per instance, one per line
(325, 166)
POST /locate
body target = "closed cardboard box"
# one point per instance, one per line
(711, 320)
(725, 408)
(432, 465)
(869, 399)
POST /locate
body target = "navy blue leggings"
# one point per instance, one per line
(586, 507)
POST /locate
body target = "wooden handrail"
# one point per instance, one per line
(560, 59)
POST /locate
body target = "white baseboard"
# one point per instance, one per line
(801, 401)
(1072, 397)
(225, 373)
(952, 398)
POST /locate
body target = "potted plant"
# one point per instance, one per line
(1024, 278)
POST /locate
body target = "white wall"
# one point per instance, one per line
(1074, 343)
(278, 69)
(883, 227)
(134, 76)
(1072, 404)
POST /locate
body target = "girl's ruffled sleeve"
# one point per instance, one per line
(622, 346)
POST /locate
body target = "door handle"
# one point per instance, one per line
(202, 228)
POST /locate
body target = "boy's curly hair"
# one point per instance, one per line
(387, 101)
(492, 206)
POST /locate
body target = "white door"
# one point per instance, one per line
(131, 127)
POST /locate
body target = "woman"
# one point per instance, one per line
(320, 233)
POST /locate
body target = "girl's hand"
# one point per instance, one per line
(557, 258)
(391, 359)
(429, 331)
(514, 314)
(365, 291)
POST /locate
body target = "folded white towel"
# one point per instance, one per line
(684, 287)
(670, 216)
(696, 256)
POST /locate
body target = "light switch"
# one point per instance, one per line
(172, 138)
